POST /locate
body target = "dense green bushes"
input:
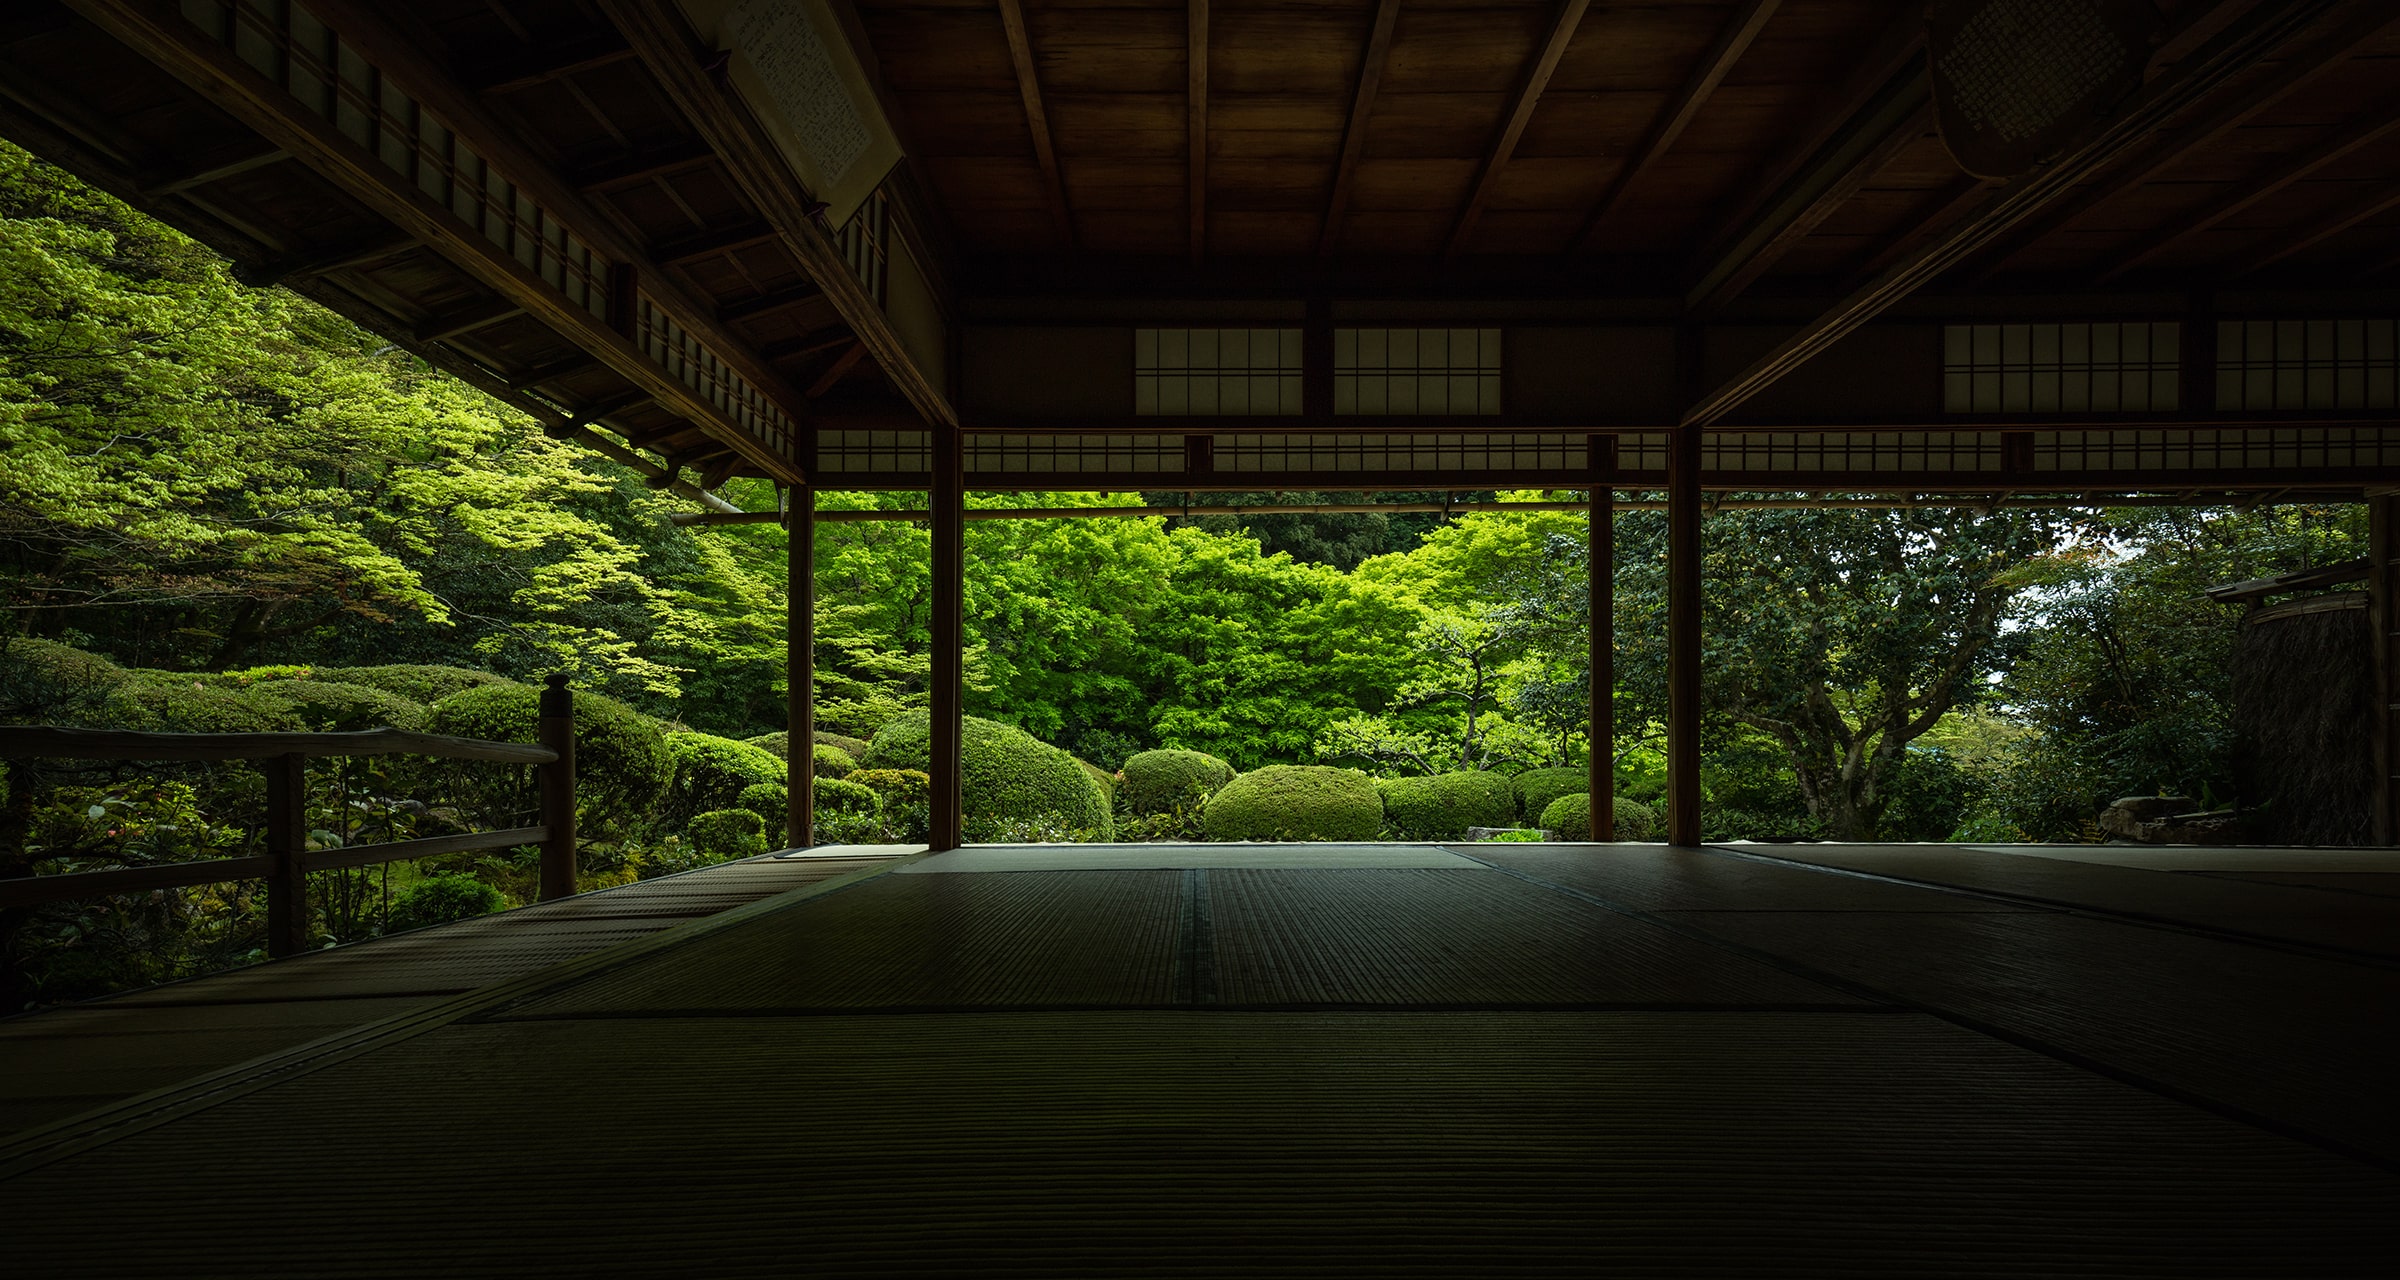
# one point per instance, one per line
(333, 707)
(1570, 818)
(711, 772)
(780, 744)
(1295, 802)
(1171, 780)
(727, 833)
(1443, 806)
(622, 766)
(1536, 788)
(904, 802)
(425, 685)
(170, 706)
(1006, 775)
(442, 899)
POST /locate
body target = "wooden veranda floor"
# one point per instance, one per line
(1208, 1060)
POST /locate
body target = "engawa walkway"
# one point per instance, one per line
(1369, 1060)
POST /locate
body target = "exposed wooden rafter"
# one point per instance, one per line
(467, 320)
(1520, 113)
(1037, 120)
(2373, 125)
(768, 303)
(1732, 41)
(1946, 206)
(555, 64)
(2242, 47)
(838, 370)
(658, 32)
(2378, 200)
(639, 167)
(1195, 91)
(710, 244)
(166, 184)
(1354, 130)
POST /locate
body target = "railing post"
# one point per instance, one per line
(558, 789)
(287, 847)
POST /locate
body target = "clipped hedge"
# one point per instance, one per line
(1295, 802)
(335, 707)
(622, 767)
(1168, 780)
(711, 772)
(780, 744)
(727, 833)
(1006, 773)
(441, 900)
(167, 705)
(420, 684)
(1443, 806)
(1570, 816)
(1536, 788)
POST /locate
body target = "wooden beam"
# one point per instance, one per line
(807, 345)
(638, 167)
(1947, 206)
(1195, 96)
(528, 379)
(767, 304)
(2244, 45)
(467, 320)
(657, 31)
(2357, 133)
(710, 244)
(555, 64)
(2329, 48)
(838, 370)
(1733, 40)
(1520, 113)
(2379, 199)
(1354, 130)
(1685, 645)
(1037, 120)
(318, 262)
(171, 184)
(1890, 124)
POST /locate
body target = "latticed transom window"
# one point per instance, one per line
(2306, 364)
(1416, 371)
(1216, 372)
(2109, 367)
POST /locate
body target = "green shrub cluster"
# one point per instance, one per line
(1536, 788)
(335, 707)
(722, 834)
(425, 685)
(1570, 818)
(166, 704)
(442, 899)
(1166, 781)
(622, 767)
(1443, 806)
(1295, 802)
(780, 743)
(1005, 773)
(904, 805)
(710, 774)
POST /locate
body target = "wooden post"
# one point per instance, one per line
(1683, 615)
(1603, 641)
(948, 500)
(287, 847)
(800, 667)
(2383, 579)
(558, 788)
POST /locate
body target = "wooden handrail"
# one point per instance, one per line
(283, 758)
(26, 741)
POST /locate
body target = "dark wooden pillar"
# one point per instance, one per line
(948, 499)
(800, 667)
(557, 732)
(287, 848)
(2383, 580)
(1683, 609)
(1603, 641)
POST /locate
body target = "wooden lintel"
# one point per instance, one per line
(1037, 119)
(1195, 98)
(710, 244)
(766, 304)
(557, 64)
(467, 320)
(638, 167)
(1354, 129)
(2244, 46)
(1733, 40)
(838, 370)
(1520, 113)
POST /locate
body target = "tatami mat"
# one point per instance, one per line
(2195, 858)
(1651, 877)
(1184, 857)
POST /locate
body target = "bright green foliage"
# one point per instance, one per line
(905, 814)
(722, 834)
(442, 899)
(1107, 780)
(167, 705)
(1570, 818)
(855, 748)
(769, 800)
(1005, 773)
(622, 767)
(896, 786)
(1296, 802)
(1536, 788)
(778, 745)
(1635, 820)
(711, 772)
(332, 707)
(833, 762)
(425, 685)
(1168, 780)
(1443, 806)
(840, 795)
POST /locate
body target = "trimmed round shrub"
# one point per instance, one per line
(169, 706)
(441, 900)
(1168, 780)
(727, 833)
(778, 745)
(855, 748)
(896, 786)
(45, 682)
(1536, 788)
(769, 800)
(1005, 773)
(1570, 816)
(420, 684)
(839, 795)
(710, 773)
(833, 762)
(1295, 802)
(1107, 780)
(621, 763)
(1443, 806)
(331, 706)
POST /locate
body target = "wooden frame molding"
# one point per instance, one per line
(1520, 114)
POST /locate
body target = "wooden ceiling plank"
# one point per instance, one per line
(467, 320)
(172, 184)
(557, 64)
(767, 304)
(638, 167)
(1037, 120)
(2357, 133)
(806, 345)
(2242, 47)
(1733, 40)
(1947, 206)
(2379, 200)
(1529, 95)
(710, 244)
(668, 48)
(2328, 48)
(1354, 130)
(1195, 96)
(838, 370)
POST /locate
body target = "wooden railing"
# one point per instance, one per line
(283, 758)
